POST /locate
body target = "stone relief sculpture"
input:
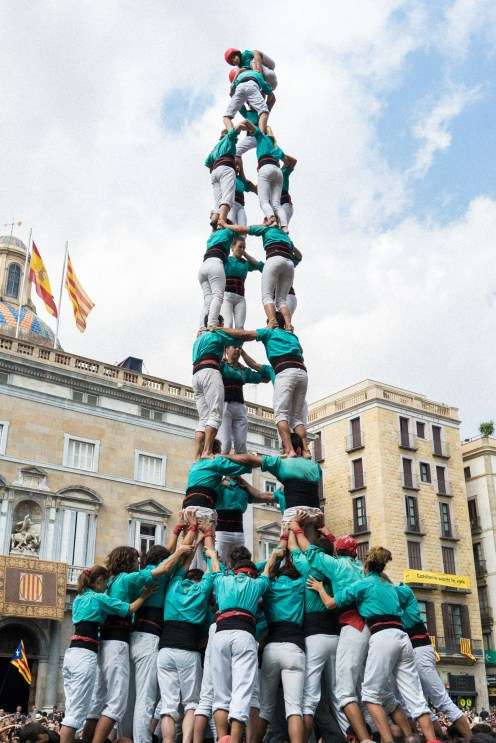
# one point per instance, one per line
(26, 529)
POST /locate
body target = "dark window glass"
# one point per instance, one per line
(425, 472)
(362, 549)
(358, 480)
(412, 516)
(420, 430)
(414, 556)
(444, 511)
(436, 440)
(13, 280)
(441, 480)
(449, 560)
(356, 433)
(472, 513)
(407, 473)
(404, 432)
(359, 514)
(466, 472)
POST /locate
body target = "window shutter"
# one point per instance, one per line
(132, 533)
(447, 622)
(431, 617)
(466, 622)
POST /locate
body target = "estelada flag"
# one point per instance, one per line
(20, 661)
(81, 303)
(39, 277)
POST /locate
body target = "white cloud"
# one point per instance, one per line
(433, 128)
(85, 157)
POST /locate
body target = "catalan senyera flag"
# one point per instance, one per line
(39, 277)
(20, 661)
(81, 303)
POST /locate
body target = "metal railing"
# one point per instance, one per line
(73, 574)
(414, 526)
(454, 646)
(449, 532)
(354, 441)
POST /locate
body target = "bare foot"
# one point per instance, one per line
(289, 454)
(207, 455)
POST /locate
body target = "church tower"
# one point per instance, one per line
(12, 261)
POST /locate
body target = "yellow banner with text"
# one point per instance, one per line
(436, 579)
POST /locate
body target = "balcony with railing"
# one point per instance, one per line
(73, 574)
(408, 441)
(354, 441)
(460, 647)
(441, 449)
(410, 481)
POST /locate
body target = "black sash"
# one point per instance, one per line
(230, 520)
(286, 198)
(233, 392)
(227, 160)
(236, 619)
(286, 632)
(301, 493)
(235, 285)
(116, 628)
(200, 495)
(381, 622)
(321, 623)
(287, 361)
(149, 619)
(418, 635)
(207, 362)
(181, 635)
(278, 248)
(267, 161)
(85, 636)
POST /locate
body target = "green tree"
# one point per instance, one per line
(486, 428)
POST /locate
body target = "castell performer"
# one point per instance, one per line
(285, 355)
(212, 276)
(278, 271)
(242, 186)
(110, 694)
(249, 87)
(234, 428)
(202, 488)
(236, 269)
(342, 568)
(90, 609)
(425, 661)
(300, 476)
(222, 166)
(208, 387)
(390, 660)
(254, 59)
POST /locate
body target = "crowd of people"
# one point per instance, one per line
(199, 641)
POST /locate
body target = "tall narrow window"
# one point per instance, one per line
(414, 555)
(359, 515)
(356, 433)
(149, 468)
(437, 443)
(74, 543)
(412, 515)
(449, 560)
(317, 447)
(405, 432)
(81, 454)
(473, 514)
(362, 549)
(421, 430)
(441, 480)
(444, 511)
(408, 480)
(13, 281)
(358, 478)
(425, 472)
(480, 563)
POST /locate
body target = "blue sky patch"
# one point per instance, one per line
(182, 106)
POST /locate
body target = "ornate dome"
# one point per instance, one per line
(31, 328)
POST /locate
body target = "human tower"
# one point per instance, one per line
(178, 638)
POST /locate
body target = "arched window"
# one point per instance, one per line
(13, 280)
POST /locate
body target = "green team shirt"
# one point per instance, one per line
(240, 268)
(222, 239)
(91, 606)
(342, 571)
(286, 172)
(249, 114)
(313, 602)
(410, 614)
(232, 497)
(225, 146)
(372, 595)
(279, 342)
(264, 86)
(244, 375)
(157, 598)
(187, 600)
(213, 343)
(280, 499)
(209, 472)
(293, 468)
(270, 235)
(266, 146)
(284, 599)
(127, 585)
(239, 591)
(246, 58)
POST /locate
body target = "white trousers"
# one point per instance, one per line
(112, 682)
(143, 651)
(224, 543)
(249, 93)
(179, 679)
(208, 389)
(321, 660)
(269, 192)
(223, 180)
(234, 428)
(288, 211)
(432, 686)
(212, 278)
(233, 310)
(290, 514)
(282, 662)
(246, 144)
(79, 673)
(237, 215)
(290, 389)
(390, 658)
(291, 304)
(277, 277)
(234, 667)
(350, 663)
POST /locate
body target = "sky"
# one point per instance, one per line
(110, 108)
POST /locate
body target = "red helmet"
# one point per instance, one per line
(346, 544)
(233, 74)
(229, 53)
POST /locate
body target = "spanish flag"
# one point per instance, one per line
(39, 277)
(81, 303)
(20, 661)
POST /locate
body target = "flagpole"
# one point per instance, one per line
(60, 293)
(23, 284)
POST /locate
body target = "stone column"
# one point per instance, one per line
(53, 664)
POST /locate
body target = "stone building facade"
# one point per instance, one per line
(479, 459)
(393, 475)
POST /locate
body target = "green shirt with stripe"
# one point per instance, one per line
(91, 606)
(213, 343)
(266, 146)
(187, 600)
(240, 268)
(239, 591)
(225, 146)
(372, 595)
(270, 235)
(242, 76)
(279, 342)
(209, 472)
